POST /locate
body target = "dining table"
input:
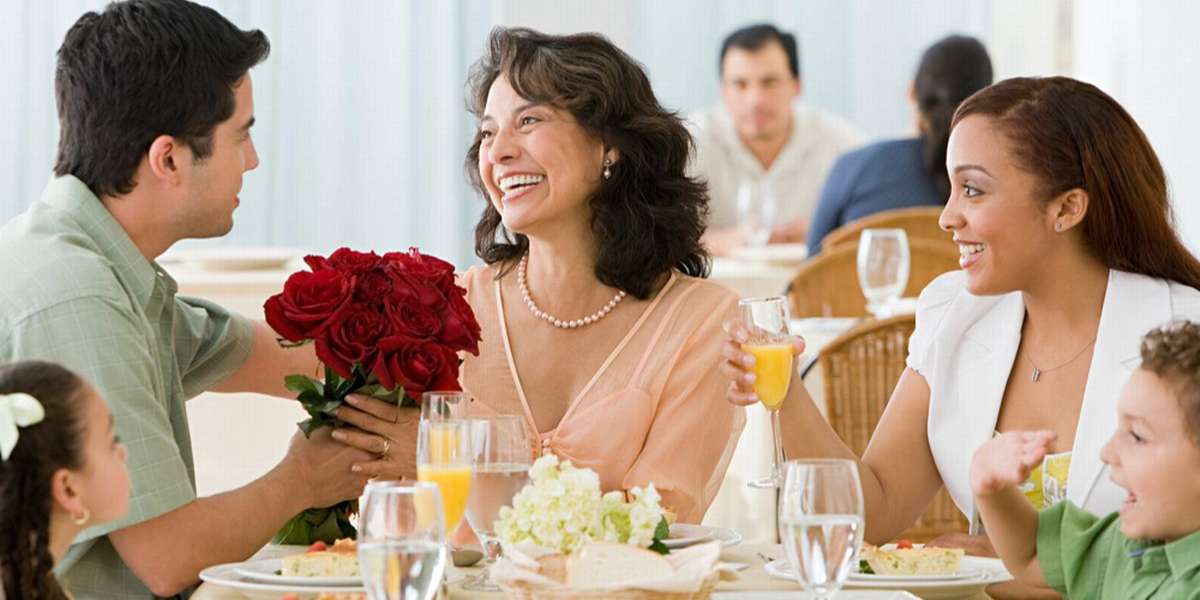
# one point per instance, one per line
(750, 583)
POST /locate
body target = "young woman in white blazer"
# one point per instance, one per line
(1059, 206)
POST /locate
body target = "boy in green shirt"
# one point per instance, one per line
(1151, 546)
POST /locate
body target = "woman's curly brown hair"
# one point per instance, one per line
(1172, 352)
(648, 218)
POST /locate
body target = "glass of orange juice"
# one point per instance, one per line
(770, 342)
(444, 457)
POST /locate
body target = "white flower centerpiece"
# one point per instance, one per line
(562, 509)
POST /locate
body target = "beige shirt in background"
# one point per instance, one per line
(796, 176)
(655, 412)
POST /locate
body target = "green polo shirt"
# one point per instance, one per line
(1085, 556)
(78, 292)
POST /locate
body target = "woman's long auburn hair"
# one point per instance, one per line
(1070, 135)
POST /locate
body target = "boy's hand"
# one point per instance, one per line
(1007, 459)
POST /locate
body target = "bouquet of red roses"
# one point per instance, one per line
(387, 326)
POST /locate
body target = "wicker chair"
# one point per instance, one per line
(826, 285)
(919, 223)
(860, 369)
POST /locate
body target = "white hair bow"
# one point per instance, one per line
(17, 410)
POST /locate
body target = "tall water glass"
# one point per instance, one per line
(883, 265)
(503, 455)
(439, 406)
(770, 342)
(756, 211)
(821, 522)
(401, 541)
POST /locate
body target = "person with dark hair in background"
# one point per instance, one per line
(62, 469)
(155, 104)
(908, 172)
(760, 134)
(596, 316)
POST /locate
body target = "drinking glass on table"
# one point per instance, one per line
(502, 457)
(439, 406)
(401, 541)
(444, 458)
(756, 211)
(883, 265)
(821, 522)
(770, 343)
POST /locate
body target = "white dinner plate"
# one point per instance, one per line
(782, 254)
(985, 572)
(233, 258)
(227, 576)
(267, 571)
(686, 534)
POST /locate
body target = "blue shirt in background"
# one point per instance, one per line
(881, 176)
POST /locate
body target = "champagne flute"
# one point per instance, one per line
(821, 522)
(444, 458)
(771, 345)
(401, 541)
(502, 460)
(437, 406)
(883, 265)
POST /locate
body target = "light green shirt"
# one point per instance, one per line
(1085, 556)
(78, 292)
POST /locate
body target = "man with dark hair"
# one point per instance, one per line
(156, 105)
(760, 138)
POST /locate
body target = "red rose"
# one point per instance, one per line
(352, 339)
(308, 301)
(421, 268)
(317, 263)
(413, 319)
(374, 286)
(405, 288)
(460, 330)
(352, 261)
(417, 365)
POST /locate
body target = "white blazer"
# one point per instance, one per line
(964, 345)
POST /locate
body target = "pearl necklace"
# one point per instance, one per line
(551, 319)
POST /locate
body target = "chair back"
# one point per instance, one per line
(920, 223)
(860, 369)
(826, 285)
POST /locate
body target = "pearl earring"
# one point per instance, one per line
(1058, 226)
(607, 168)
(83, 518)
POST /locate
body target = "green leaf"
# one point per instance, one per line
(659, 547)
(865, 568)
(295, 532)
(302, 383)
(309, 397)
(663, 530)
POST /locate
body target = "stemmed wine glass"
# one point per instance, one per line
(883, 265)
(401, 552)
(502, 457)
(756, 211)
(821, 522)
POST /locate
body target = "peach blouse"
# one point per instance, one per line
(654, 412)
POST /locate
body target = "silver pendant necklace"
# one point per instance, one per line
(1037, 373)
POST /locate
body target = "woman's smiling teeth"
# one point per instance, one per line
(515, 185)
(968, 253)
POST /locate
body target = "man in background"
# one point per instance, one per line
(762, 136)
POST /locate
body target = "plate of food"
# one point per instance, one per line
(931, 573)
(315, 570)
(335, 566)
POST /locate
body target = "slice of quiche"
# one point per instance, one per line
(339, 560)
(912, 561)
